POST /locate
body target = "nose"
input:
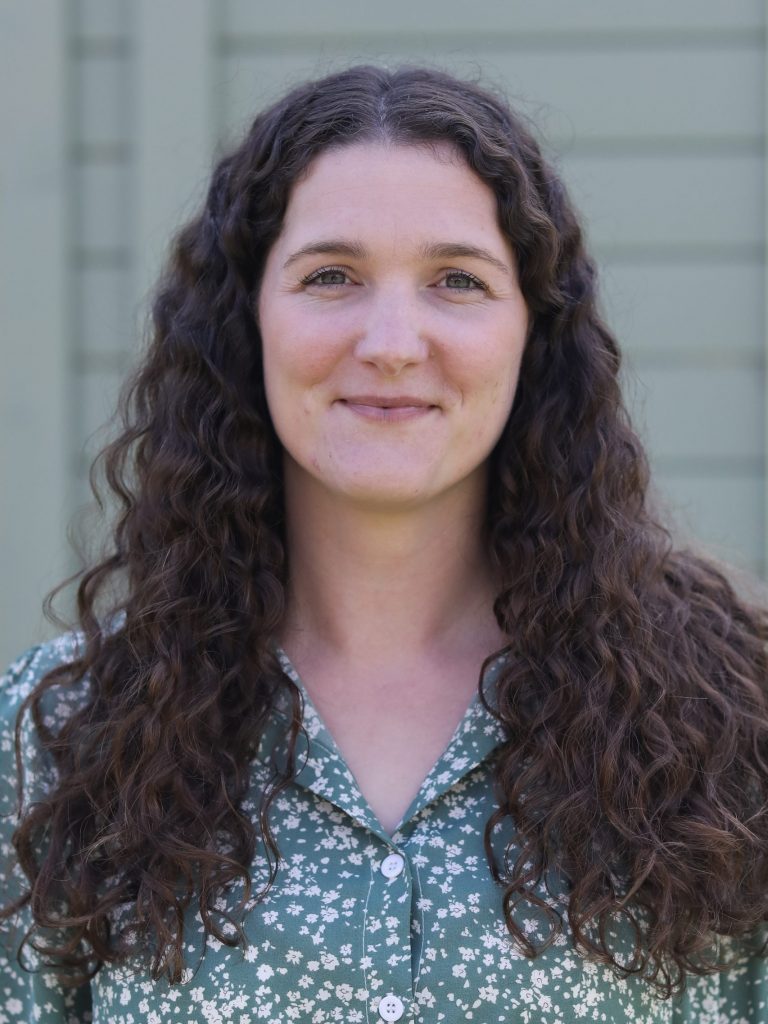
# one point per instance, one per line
(393, 335)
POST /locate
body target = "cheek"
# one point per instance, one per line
(504, 387)
(504, 363)
(295, 359)
(489, 377)
(488, 385)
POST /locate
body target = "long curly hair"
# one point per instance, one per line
(634, 695)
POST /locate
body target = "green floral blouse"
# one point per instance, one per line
(359, 926)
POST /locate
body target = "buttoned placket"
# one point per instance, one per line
(388, 962)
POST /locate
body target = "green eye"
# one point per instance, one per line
(467, 282)
(316, 277)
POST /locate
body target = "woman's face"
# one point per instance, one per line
(392, 326)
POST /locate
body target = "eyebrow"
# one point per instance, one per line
(429, 251)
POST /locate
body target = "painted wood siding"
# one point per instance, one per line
(35, 428)
(654, 113)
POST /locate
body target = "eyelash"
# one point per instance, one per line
(312, 278)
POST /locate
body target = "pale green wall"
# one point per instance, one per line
(112, 111)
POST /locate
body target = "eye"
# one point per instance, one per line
(464, 281)
(321, 277)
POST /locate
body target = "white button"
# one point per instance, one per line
(390, 1007)
(391, 867)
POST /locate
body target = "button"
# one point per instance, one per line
(391, 867)
(390, 1007)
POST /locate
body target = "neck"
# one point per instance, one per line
(376, 583)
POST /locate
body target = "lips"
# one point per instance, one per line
(388, 402)
(374, 411)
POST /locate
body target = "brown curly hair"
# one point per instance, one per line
(634, 696)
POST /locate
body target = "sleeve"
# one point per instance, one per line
(28, 993)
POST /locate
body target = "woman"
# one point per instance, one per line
(392, 700)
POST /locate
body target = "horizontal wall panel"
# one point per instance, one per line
(101, 85)
(572, 96)
(545, 16)
(644, 93)
(686, 312)
(99, 19)
(698, 200)
(698, 413)
(728, 513)
(106, 321)
(104, 191)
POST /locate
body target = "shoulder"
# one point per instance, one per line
(29, 668)
(16, 683)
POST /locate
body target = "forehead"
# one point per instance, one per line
(381, 187)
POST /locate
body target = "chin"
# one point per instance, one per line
(382, 493)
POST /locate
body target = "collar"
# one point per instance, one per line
(321, 768)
